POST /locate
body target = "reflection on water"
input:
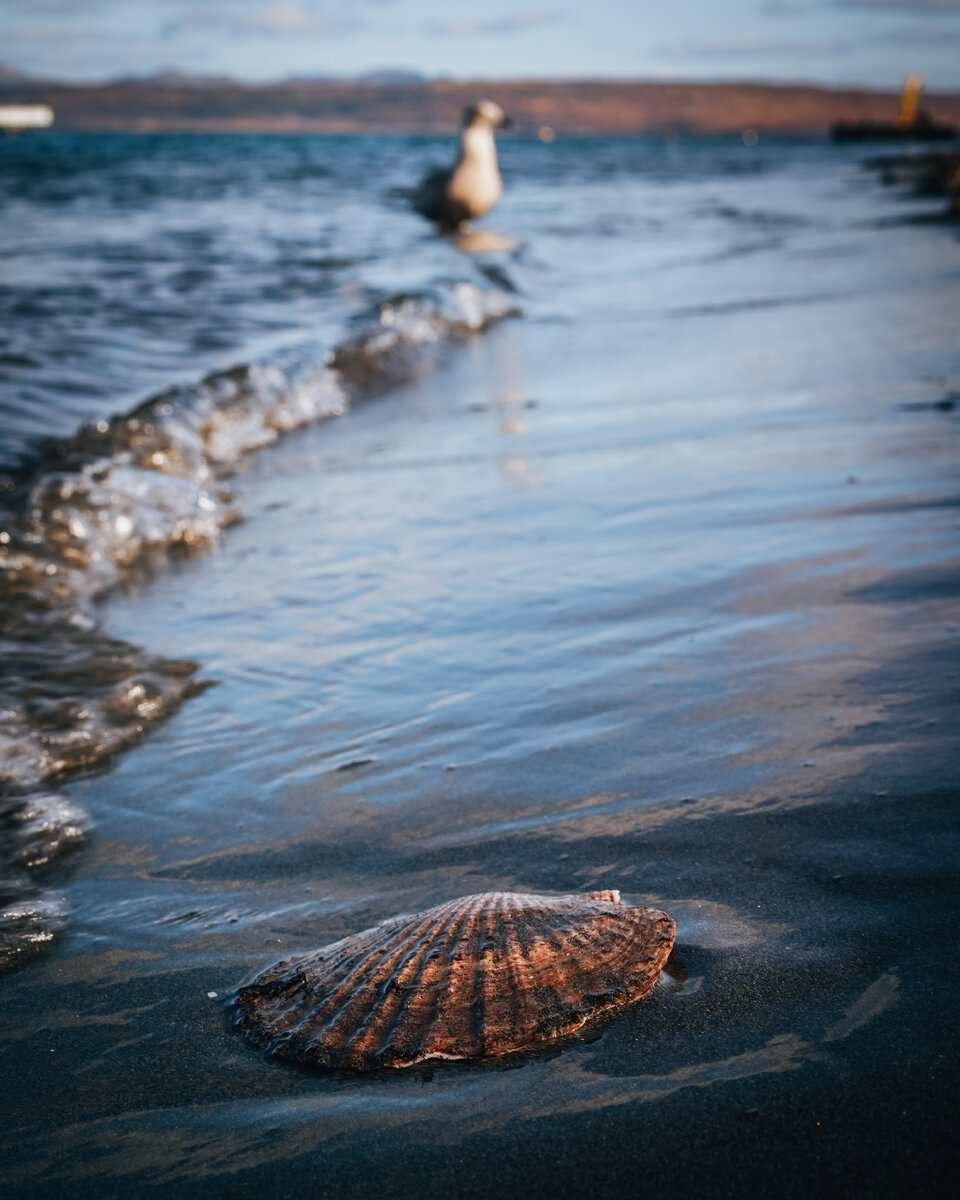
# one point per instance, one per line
(484, 241)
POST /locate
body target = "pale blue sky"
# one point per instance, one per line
(845, 41)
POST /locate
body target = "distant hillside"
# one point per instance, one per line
(402, 105)
(10, 74)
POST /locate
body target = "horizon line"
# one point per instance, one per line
(409, 77)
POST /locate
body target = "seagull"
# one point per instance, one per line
(471, 187)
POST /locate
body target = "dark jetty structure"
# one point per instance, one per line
(913, 124)
(933, 173)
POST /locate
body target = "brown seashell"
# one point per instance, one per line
(478, 976)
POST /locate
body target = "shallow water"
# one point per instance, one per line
(652, 588)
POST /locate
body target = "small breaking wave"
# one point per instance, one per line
(119, 497)
(35, 832)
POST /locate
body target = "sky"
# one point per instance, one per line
(876, 42)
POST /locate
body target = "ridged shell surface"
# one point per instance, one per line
(482, 975)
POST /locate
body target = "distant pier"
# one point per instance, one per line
(15, 118)
(912, 123)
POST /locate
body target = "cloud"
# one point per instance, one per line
(279, 19)
(920, 37)
(752, 46)
(938, 8)
(809, 8)
(495, 26)
(286, 20)
(789, 8)
(59, 8)
(46, 51)
(82, 10)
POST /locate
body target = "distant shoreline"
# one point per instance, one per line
(569, 107)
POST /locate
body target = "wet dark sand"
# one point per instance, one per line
(662, 598)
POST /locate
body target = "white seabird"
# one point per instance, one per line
(472, 186)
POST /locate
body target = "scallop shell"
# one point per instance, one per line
(478, 976)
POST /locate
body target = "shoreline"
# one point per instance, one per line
(570, 108)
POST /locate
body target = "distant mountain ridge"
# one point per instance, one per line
(169, 77)
(395, 101)
(11, 74)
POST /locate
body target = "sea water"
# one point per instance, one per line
(348, 569)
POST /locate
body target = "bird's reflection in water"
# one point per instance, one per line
(483, 241)
(511, 403)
